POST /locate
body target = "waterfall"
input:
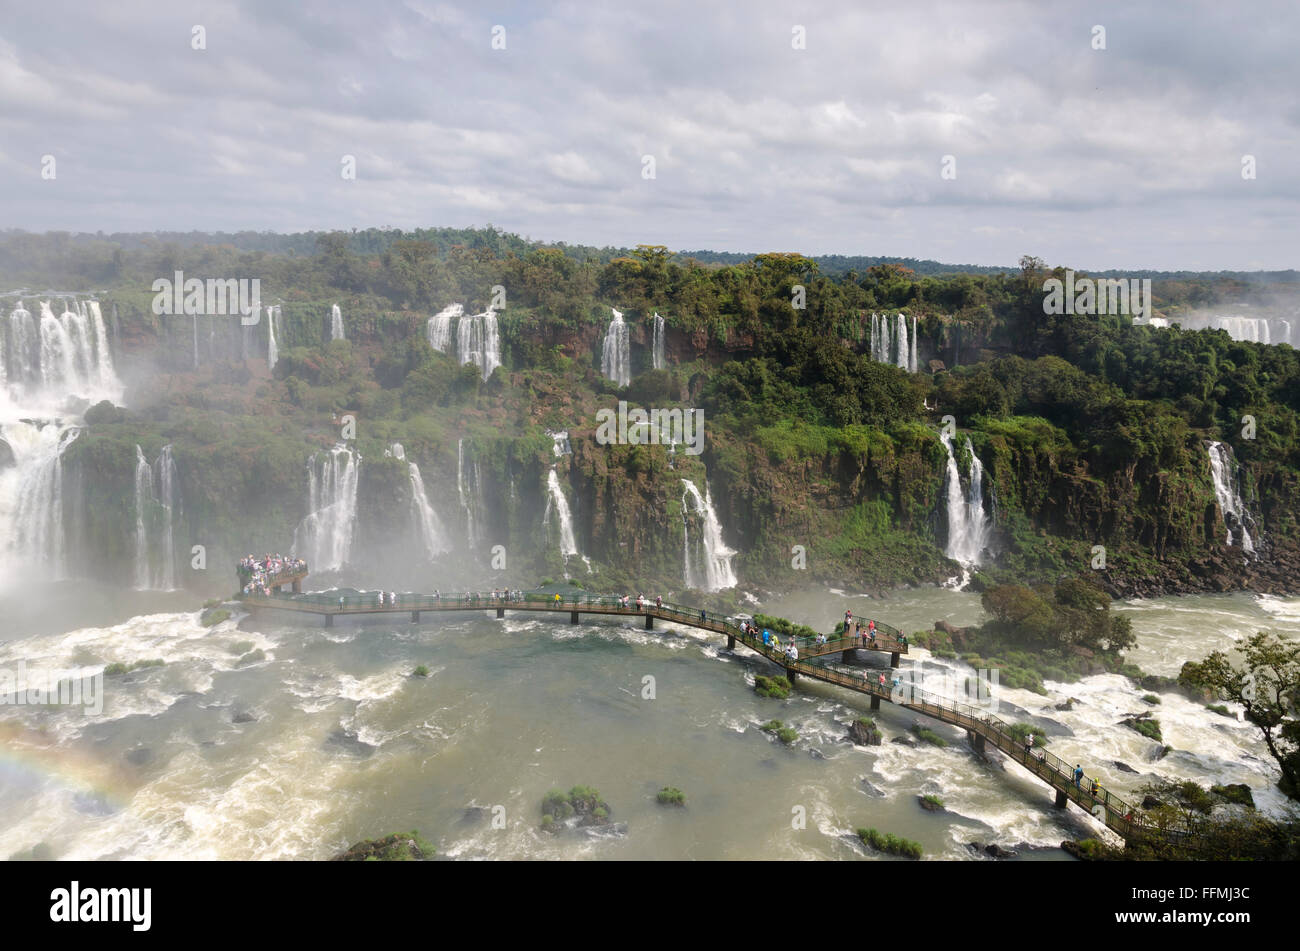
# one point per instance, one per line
(968, 525)
(324, 537)
(432, 534)
(478, 342)
(707, 562)
(143, 497)
(560, 442)
(471, 501)
(336, 323)
(1270, 329)
(439, 327)
(272, 351)
(558, 505)
(47, 360)
(901, 362)
(1223, 470)
(615, 362)
(156, 503)
(657, 346)
(911, 362)
(31, 498)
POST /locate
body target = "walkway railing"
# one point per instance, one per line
(1118, 814)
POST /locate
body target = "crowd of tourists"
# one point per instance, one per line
(259, 573)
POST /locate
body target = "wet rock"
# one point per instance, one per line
(1068, 705)
(347, 741)
(1124, 767)
(997, 852)
(400, 847)
(243, 716)
(871, 789)
(904, 740)
(474, 814)
(1150, 802)
(864, 732)
(816, 753)
(139, 756)
(929, 805)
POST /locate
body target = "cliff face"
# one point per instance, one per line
(869, 513)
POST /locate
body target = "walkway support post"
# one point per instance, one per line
(649, 622)
(1061, 799)
(893, 659)
(415, 617)
(976, 741)
(501, 612)
(573, 617)
(789, 674)
(297, 586)
(875, 701)
(731, 642)
(329, 620)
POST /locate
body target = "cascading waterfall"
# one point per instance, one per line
(336, 323)
(706, 562)
(657, 344)
(272, 351)
(560, 442)
(471, 502)
(478, 342)
(156, 504)
(615, 360)
(1223, 470)
(31, 498)
(439, 327)
(432, 533)
(558, 505)
(324, 537)
(891, 343)
(968, 525)
(912, 365)
(1271, 329)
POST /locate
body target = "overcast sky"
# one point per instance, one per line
(1127, 157)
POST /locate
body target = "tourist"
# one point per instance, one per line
(882, 680)
(1029, 744)
(767, 637)
(794, 652)
(1078, 776)
(1096, 789)
(659, 600)
(702, 617)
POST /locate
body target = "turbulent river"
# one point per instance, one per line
(328, 739)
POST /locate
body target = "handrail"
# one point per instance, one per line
(1117, 813)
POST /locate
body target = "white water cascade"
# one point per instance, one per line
(324, 537)
(272, 351)
(156, 506)
(432, 532)
(558, 506)
(657, 344)
(891, 343)
(1270, 329)
(439, 327)
(336, 323)
(478, 342)
(968, 526)
(615, 360)
(560, 442)
(48, 365)
(1223, 470)
(471, 501)
(706, 561)
(33, 542)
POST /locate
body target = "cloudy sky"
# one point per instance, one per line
(1127, 157)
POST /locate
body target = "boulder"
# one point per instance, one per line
(865, 734)
(1124, 767)
(243, 717)
(997, 852)
(1150, 802)
(928, 805)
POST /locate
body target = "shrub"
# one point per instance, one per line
(420, 671)
(1151, 698)
(785, 734)
(1022, 730)
(671, 796)
(1219, 709)
(934, 802)
(212, 616)
(928, 736)
(777, 687)
(241, 647)
(1147, 726)
(891, 844)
